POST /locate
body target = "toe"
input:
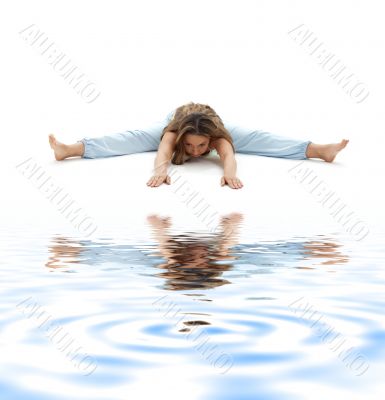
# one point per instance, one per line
(52, 139)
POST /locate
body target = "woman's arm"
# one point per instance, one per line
(163, 156)
(228, 236)
(229, 165)
(226, 154)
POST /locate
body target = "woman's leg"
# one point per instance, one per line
(116, 144)
(251, 141)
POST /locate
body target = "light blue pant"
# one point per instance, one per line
(245, 140)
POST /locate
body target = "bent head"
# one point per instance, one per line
(195, 131)
(196, 145)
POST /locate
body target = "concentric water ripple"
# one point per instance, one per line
(238, 320)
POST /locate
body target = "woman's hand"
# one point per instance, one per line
(232, 181)
(157, 180)
(158, 222)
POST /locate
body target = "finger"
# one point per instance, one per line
(168, 180)
(153, 182)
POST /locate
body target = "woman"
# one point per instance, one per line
(194, 130)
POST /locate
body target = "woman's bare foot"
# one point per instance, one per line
(60, 149)
(63, 151)
(329, 152)
(326, 152)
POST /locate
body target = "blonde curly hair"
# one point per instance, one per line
(196, 119)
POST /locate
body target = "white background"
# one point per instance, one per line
(148, 57)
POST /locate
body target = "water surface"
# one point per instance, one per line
(191, 314)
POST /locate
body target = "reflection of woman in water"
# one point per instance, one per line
(194, 130)
(197, 262)
(191, 261)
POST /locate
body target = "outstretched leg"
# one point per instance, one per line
(116, 144)
(251, 141)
